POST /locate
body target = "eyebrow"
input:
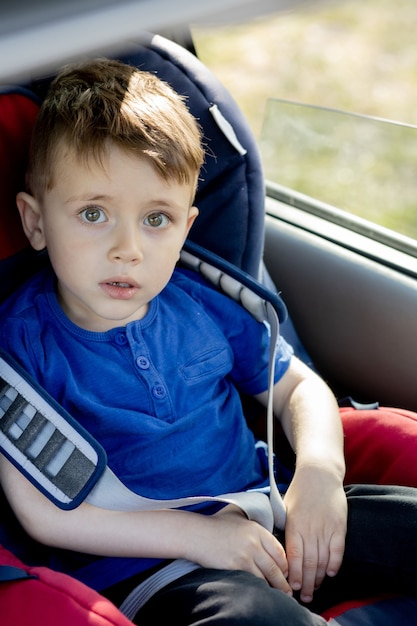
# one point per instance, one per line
(88, 198)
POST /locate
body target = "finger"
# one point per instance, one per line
(322, 564)
(276, 551)
(337, 550)
(309, 571)
(295, 552)
(274, 564)
(272, 573)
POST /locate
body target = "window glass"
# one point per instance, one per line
(360, 164)
(357, 56)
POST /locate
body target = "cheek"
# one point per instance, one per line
(167, 255)
(69, 258)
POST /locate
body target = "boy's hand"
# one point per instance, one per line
(228, 540)
(315, 530)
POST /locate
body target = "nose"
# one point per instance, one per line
(126, 245)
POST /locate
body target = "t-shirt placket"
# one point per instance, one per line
(150, 376)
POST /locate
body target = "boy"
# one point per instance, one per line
(150, 361)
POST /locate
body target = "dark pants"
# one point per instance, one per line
(381, 546)
(213, 597)
(381, 555)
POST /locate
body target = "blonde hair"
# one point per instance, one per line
(91, 104)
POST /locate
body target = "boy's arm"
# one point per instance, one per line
(227, 540)
(316, 503)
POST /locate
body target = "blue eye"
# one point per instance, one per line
(93, 215)
(157, 220)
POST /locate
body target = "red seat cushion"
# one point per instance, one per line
(17, 116)
(380, 446)
(51, 598)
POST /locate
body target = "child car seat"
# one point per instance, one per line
(230, 195)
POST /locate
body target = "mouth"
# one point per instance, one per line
(120, 289)
(115, 283)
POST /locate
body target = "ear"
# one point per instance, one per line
(192, 214)
(31, 217)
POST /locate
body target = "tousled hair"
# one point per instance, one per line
(92, 104)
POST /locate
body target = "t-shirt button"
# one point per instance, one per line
(142, 362)
(120, 339)
(159, 391)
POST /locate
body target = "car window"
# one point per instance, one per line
(317, 85)
(360, 164)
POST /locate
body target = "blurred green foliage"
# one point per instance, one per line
(352, 55)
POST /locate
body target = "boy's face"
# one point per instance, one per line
(113, 232)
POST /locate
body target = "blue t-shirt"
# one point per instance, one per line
(160, 394)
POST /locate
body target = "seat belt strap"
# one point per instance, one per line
(110, 493)
(267, 308)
